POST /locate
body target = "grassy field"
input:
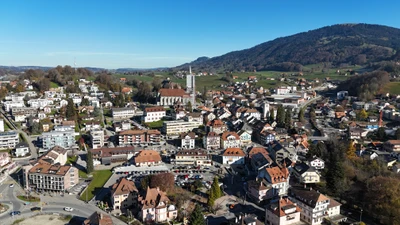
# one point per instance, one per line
(29, 199)
(100, 177)
(53, 85)
(393, 88)
(155, 124)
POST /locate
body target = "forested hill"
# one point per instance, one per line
(337, 44)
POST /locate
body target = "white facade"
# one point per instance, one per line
(179, 126)
(39, 103)
(317, 163)
(155, 114)
(187, 142)
(8, 139)
(97, 138)
(9, 105)
(1, 125)
(123, 113)
(232, 160)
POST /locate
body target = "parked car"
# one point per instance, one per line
(11, 185)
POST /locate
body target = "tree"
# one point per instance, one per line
(189, 106)
(156, 83)
(35, 128)
(96, 111)
(280, 116)
(145, 182)
(301, 115)
(70, 112)
(164, 181)
(362, 114)
(197, 217)
(215, 188)
(397, 134)
(89, 162)
(381, 134)
(144, 92)
(335, 170)
(351, 150)
(288, 118)
(271, 116)
(85, 102)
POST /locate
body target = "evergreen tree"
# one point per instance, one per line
(85, 101)
(271, 115)
(335, 176)
(70, 112)
(96, 112)
(215, 188)
(89, 162)
(381, 134)
(211, 199)
(280, 116)
(197, 217)
(301, 115)
(397, 134)
(288, 118)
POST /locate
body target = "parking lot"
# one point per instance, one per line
(77, 189)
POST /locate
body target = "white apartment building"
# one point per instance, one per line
(192, 158)
(188, 140)
(152, 114)
(60, 136)
(123, 113)
(10, 104)
(1, 125)
(15, 98)
(97, 138)
(179, 126)
(39, 103)
(8, 139)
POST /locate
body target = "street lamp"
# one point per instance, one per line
(361, 215)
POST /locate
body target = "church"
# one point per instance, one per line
(168, 97)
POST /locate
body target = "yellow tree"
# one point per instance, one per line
(351, 150)
(362, 115)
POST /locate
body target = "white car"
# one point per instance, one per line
(68, 209)
(11, 185)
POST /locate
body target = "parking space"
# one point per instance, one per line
(77, 189)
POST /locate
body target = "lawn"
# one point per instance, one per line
(155, 124)
(82, 174)
(71, 159)
(29, 199)
(100, 177)
(393, 88)
(54, 85)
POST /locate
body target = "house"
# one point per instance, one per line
(106, 156)
(317, 163)
(155, 206)
(188, 140)
(192, 158)
(306, 174)
(372, 119)
(245, 137)
(98, 218)
(123, 194)
(147, 158)
(315, 206)
(258, 157)
(233, 156)
(277, 178)
(282, 212)
(280, 151)
(358, 105)
(356, 133)
(392, 146)
(211, 141)
(152, 114)
(22, 149)
(178, 114)
(230, 139)
(216, 126)
(126, 90)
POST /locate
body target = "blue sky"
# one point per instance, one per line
(158, 33)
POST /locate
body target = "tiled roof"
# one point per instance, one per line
(155, 109)
(124, 186)
(153, 197)
(172, 92)
(107, 152)
(215, 123)
(98, 218)
(227, 134)
(282, 205)
(147, 156)
(277, 174)
(138, 132)
(44, 167)
(233, 152)
(258, 150)
(191, 152)
(308, 196)
(212, 134)
(192, 135)
(394, 142)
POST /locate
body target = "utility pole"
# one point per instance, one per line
(361, 215)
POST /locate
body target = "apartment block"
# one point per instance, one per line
(124, 194)
(97, 138)
(8, 139)
(60, 136)
(136, 137)
(179, 126)
(123, 113)
(192, 158)
(152, 114)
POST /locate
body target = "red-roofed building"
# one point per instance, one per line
(283, 212)
(233, 156)
(278, 179)
(168, 97)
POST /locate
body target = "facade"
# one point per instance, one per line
(230, 139)
(112, 155)
(136, 137)
(245, 137)
(216, 126)
(124, 194)
(315, 206)
(60, 137)
(122, 113)
(179, 126)
(1, 125)
(192, 158)
(211, 141)
(155, 206)
(152, 114)
(22, 149)
(147, 158)
(97, 138)
(233, 156)
(8, 105)
(123, 125)
(306, 174)
(258, 158)
(392, 146)
(168, 97)
(283, 212)
(188, 140)
(39, 103)
(277, 179)
(8, 139)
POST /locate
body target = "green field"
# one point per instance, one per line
(155, 124)
(54, 85)
(393, 88)
(100, 177)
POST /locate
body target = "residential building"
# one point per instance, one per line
(258, 158)
(392, 146)
(188, 140)
(230, 139)
(8, 105)
(123, 194)
(216, 126)
(98, 218)
(283, 212)
(97, 138)
(155, 206)
(152, 114)
(63, 137)
(178, 114)
(211, 141)
(192, 158)
(245, 137)
(28, 111)
(147, 158)
(356, 133)
(315, 206)
(19, 117)
(4, 159)
(306, 174)
(21, 149)
(233, 156)
(9, 139)
(179, 126)
(276, 179)
(280, 151)
(197, 117)
(39, 103)
(168, 97)
(1, 125)
(137, 137)
(122, 113)
(107, 156)
(122, 125)
(317, 163)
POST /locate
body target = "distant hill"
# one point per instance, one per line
(337, 44)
